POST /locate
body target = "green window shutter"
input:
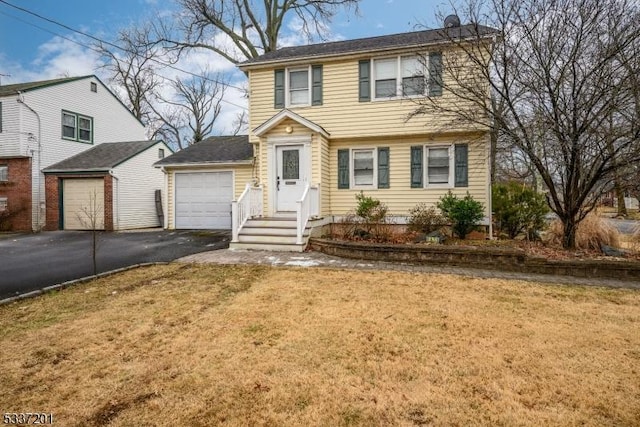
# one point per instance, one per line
(316, 85)
(416, 166)
(435, 74)
(364, 80)
(383, 167)
(278, 98)
(462, 165)
(343, 169)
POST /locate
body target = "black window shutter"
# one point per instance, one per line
(316, 85)
(278, 98)
(383, 167)
(364, 80)
(416, 166)
(343, 169)
(435, 74)
(462, 165)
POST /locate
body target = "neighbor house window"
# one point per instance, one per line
(94, 87)
(3, 204)
(77, 127)
(161, 153)
(4, 173)
(400, 76)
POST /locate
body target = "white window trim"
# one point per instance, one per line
(75, 126)
(4, 204)
(90, 119)
(287, 88)
(424, 57)
(352, 177)
(425, 178)
(4, 174)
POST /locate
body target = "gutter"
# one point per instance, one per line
(39, 195)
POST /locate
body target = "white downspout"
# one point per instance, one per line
(117, 212)
(39, 183)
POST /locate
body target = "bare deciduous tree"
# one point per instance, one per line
(252, 26)
(133, 66)
(566, 74)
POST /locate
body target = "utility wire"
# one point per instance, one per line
(99, 40)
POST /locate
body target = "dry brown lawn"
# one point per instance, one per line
(253, 345)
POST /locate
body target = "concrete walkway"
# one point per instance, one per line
(317, 259)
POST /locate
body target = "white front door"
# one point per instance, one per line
(291, 176)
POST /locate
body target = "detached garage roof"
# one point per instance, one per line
(212, 150)
(102, 158)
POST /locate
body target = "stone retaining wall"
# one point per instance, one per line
(504, 259)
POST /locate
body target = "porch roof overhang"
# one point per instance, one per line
(288, 114)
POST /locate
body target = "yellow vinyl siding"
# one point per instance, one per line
(342, 115)
(400, 197)
(242, 174)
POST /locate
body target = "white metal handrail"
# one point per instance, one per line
(248, 205)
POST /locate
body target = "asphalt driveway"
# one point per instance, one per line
(33, 261)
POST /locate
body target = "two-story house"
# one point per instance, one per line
(45, 122)
(329, 120)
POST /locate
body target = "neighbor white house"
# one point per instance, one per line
(45, 122)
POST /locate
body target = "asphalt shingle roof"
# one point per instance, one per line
(101, 157)
(215, 149)
(24, 87)
(372, 44)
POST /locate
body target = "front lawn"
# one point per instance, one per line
(254, 345)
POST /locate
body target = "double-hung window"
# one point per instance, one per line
(439, 166)
(298, 86)
(363, 170)
(298, 82)
(4, 173)
(399, 76)
(3, 204)
(444, 166)
(77, 127)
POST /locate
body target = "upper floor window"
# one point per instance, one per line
(94, 87)
(404, 75)
(77, 127)
(298, 86)
(161, 153)
(4, 173)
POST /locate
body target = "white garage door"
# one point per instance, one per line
(203, 200)
(83, 203)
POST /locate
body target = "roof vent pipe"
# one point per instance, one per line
(451, 21)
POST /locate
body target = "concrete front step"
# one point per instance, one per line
(271, 231)
(271, 234)
(267, 246)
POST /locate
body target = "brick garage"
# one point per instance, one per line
(17, 191)
(54, 185)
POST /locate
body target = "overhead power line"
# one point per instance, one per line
(105, 42)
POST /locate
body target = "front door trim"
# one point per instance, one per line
(272, 173)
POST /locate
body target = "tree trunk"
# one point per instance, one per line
(569, 233)
(622, 208)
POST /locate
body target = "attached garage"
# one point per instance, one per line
(83, 203)
(203, 200)
(203, 179)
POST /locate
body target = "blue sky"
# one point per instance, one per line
(28, 53)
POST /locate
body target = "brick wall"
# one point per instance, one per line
(17, 190)
(53, 184)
